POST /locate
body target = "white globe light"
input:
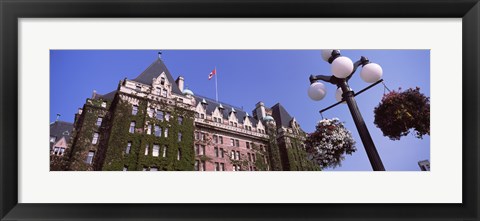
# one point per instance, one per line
(326, 54)
(342, 67)
(371, 73)
(317, 91)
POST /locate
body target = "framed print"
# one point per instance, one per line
(216, 97)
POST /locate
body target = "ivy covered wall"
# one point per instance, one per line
(116, 157)
(85, 127)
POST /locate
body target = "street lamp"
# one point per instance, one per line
(343, 69)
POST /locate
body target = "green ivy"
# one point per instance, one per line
(273, 149)
(83, 134)
(116, 158)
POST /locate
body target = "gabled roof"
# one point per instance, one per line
(61, 129)
(153, 71)
(281, 116)
(108, 96)
(212, 104)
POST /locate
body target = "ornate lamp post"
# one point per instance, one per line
(343, 69)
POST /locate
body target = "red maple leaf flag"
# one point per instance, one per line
(210, 76)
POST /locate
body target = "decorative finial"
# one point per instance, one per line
(160, 55)
(58, 116)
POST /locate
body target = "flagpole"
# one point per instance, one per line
(216, 88)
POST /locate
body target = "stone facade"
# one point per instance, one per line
(152, 123)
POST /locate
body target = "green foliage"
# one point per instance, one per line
(116, 158)
(400, 112)
(82, 136)
(273, 148)
(298, 159)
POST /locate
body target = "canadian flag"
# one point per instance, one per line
(210, 76)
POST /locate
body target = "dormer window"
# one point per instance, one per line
(162, 81)
(164, 93)
(158, 91)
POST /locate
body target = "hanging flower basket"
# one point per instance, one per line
(328, 144)
(400, 112)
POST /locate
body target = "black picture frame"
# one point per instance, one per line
(12, 10)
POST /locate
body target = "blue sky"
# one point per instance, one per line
(248, 76)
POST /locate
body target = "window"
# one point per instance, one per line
(196, 166)
(197, 136)
(232, 142)
(162, 80)
(99, 121)
(55, 150)
(95, 138)
(180, 120)
(204, 136)
(138, 87)
(221, 139)
(237, 143)
(90, 156)
(104, 104)
(132, 127)
(200, 149)
(158, 91)
(153, 169)
(159, 115)
(134, 110)
(234, 167)
(217, 166)
(150, 112)
(237, 156)
(202, 116)
(233, 155)
(156, 150)
(166, 131)
(248, 145)
(179, 154)
(125, 168)
(158, 131)
(216, 151)
(167, 116)
(129, 146)
(62, 150)
(197, 149)
(180, 136)
(215, 138)
(204, 166)
(52, 139)
(149, 129)
(249, 157)
(222, 152)
(222, 167)
(146, 149)
(253, 157)
(164, 93)
(164, 151)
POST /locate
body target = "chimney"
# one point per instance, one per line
(94, 94)
(260, 110)
(180, 83)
